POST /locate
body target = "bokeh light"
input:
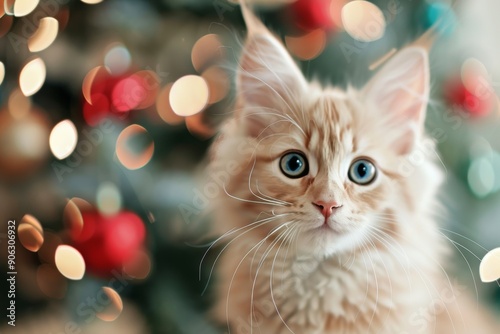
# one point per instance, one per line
(69, 262)
(19, 105)
(44, 35)
(134, 147)
(114, 308)
(51, 282)
(97, 73)
(164, 109)
(139, 267)
(72, 215)
(2, 72)
(127, 94)
(118, 59)
(218, 83)
(63, 139)
(363, 20)
(32, 77)
(475, 76)
(489, 269)
(189, 95)
(308, 46)
(24, 142)
(30, 233)
(197, 126)
(109, 199)
(481, 177)
(24, 7)
(207, 51)
(150, 83)
(91, 2)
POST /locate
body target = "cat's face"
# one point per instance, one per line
(325, 159)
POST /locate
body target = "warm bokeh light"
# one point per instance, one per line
(72, 215)
(218, 83)
(336, 12)
(164, 109)
(139, 267)
(63, 139)
(24, 7)
(114, 308)
(32, 77)
(196, 126)
(30, 233)
(19, 105)
(91, 2)
(2, 72)
(51, 282)
(24, 142)
(44, 35)
(95, 73)
(489, 269)
(70, 262)
(117, 59)
(109, 199)
(189, 95)
(363, 20)
(150, 83)
(308, 46)
(475, 75)
(207, 51)
(134, 147)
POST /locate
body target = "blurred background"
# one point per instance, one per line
(107, 109)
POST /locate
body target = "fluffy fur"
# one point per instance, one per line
(375, 265)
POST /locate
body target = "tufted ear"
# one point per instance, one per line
(268, 80)
(400, 93)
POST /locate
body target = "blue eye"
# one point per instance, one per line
(362, 172)
(294, 165)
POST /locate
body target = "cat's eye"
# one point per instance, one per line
(294, 165)
(362, 172)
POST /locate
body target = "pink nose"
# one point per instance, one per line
(326, 208)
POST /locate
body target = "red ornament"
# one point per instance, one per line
(478, 103)
(313, 14)
(118, 95)
(108, 242)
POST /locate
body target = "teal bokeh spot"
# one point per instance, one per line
(441, 15)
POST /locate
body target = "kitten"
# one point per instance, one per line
(327, 203)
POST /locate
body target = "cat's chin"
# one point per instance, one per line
(323, 241)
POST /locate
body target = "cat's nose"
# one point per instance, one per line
(327, 208)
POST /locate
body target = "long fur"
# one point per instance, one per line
(378, 266)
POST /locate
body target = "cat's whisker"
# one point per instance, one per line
(271, 282)
(267, 196)
(266, 252)
(238, 266)
(264, 222)
(234, 230)
(247, 200)
(425, 279)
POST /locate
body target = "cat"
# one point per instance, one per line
(328, 203)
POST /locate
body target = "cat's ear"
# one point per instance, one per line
(400, 93)
(268, 79)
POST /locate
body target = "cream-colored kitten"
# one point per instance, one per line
(327, 204)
